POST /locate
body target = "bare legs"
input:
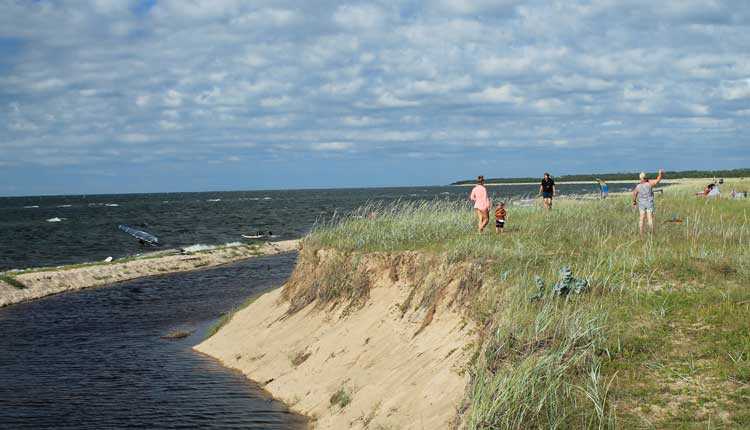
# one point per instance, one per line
(650, 216)
(548, 204)
(483, 217)
(485, 220)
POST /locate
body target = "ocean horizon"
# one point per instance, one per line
(40, 231)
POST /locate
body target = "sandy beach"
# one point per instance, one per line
(37, 283)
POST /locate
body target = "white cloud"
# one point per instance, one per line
(711, 122)
(643, 100)
(698, 109)
(110, 7)
(505, 93)
(736, 90)
(388, 99)
(581, 83)
(171, 113)
(88, 92)
(169, 125)
(397, 136)
(694, 10)
(442, 86)
(135, 138)
(23, 125)
(362, 17)
(275, 102)
(473, 7)
(267, 17)
(47, 84)
(361, 121)
(209, 97)
(483, 134)
(551, 105)
(254, 59)
(332, 146)
(343, 88)
(217, 77)
(172, 98)
(142, 100)
(196, 9)
(632, 92)
(505, 66)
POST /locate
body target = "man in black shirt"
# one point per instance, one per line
(548, 190)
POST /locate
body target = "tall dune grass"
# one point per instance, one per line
(579, 362)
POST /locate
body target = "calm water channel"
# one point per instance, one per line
(95, 359)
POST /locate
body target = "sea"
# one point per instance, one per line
(59, 230)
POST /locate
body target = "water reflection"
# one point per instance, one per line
(95, 358)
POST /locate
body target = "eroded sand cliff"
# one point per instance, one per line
(383, 365)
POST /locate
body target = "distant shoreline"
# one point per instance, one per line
(592, 182)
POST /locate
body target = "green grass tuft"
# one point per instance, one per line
(341, 398)
(176, 335)
(300, 357)
(12, 281)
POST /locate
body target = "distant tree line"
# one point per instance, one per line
(734, 173)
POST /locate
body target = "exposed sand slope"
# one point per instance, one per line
(56, 280)
(395, 379)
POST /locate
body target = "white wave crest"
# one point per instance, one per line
(202, 247)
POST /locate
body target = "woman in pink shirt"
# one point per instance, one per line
(481, 203)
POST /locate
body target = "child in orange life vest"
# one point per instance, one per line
(500, 217)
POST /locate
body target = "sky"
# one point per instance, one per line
(105, 96)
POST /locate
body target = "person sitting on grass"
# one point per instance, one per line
(500, 215)
(643, 199)
(481, 203)
(708, 189)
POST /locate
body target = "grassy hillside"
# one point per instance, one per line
(659, 340)
(735, 173)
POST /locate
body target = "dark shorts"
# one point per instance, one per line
(499, 223)
(547, 195)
